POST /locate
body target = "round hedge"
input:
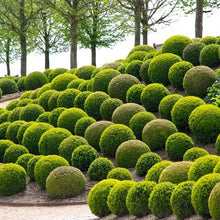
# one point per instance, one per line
(217, 144)
(120, 84)
(14, 115)
(99, 168)
(152, 95)
(201, 191)
(208, 40)
(25, 95)
(98, 195)
(119, 173)
(8, 86)
(154, 172)
(94, 132)
(159, 201)
(69, 117)
(34, 93)
(197, 80)
(69, 144)
(4, 144)
(194, 153)
(43, 117)
(83, 156)
(23, 160)
(45, 165)
(21, 83)
(133, 67)
(43, 89)
(182, 109)
(64, 182)
(55, 72)
(35, 80)
(3, 129)
(113, 65)
(85, 72)
(4, 117)
(80, 99)
(12, 105)
(44, 98)
(156, 132)
(136, 56)
(139, 120)
(159, 67)
(54, 115)
(143, 47)
(181, 200)
(177, 144)
(134, 93)
(22, 129)
(52, 101)
(74, 84)
(202, 165)
(13, 179)
(144, 71)
(83, 85)
(31, 165)
(24, 102)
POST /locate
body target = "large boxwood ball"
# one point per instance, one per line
(99, 168)
(120, 173)
(54, 115)
(129, 152)
(80, 99)
(23, 160)
(125, 112)
(22, 129)
(24, 102)
(136, 56)
(69, 117)
(94, 132)
(113, 136)
(156, 132)
(8, 86)
(113, 65)
(64, 182)
(205, 119)
(83, 156)
(20, 83)
(176, 172)
(14, 115)
(177, 144)
(56, 72)
(138, 197)
(84, 85)
(182, 109)
(133, 67)
(31, 165)
(35, 80)
(43, 89)
(32, 136)
(43, 117)
(52, 102)
(13, 179)
(144, 71)
(120, 84)
(51, 139)
(202, 165)
(159, 201)
(85, 72)
(194, 153)
(201, 191)
(181, 200)
(108, 106)
(145, 162)
(45, 165)
(12, 105)
(144, 47)
(154, 172)
(159, 67)
(197, 80)
(134, 93)
(117, 197)
(66, 98)
(4, 144)
(74, 84)
(152, 95)
(176, 44)
(138, 121)
(208, 40)
(98, 195)
(93, 103)
(44, 98)
(3, 129)
(217, 144)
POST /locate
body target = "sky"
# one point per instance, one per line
(183, 25)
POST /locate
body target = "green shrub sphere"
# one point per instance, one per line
(3, 129)
(8, 86)
(35, 80)
(217, 144)
(66, 98)
(208, 40)
(194, 153)
(54, 115)
(85, 72)
(136, 56)
(44, 99)
(23, 160)
(31, 165)
(4, 144)
(134, 93)
(80, 99)
(144, 71)
(119, 173)
(133, 67)
(14, 115)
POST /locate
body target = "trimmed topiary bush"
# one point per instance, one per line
(85, 72)
(217, 144)
(64, 182)
(119, 173)
(21, 83)
(156, 132)
(31, 165)
(152, 95)
(3, 129)
(66, 98)
(194, 153)
(35, 80)
(83, 85)
(144, 71)
(54, 115)
(208, 40)
(144, 47)
(52, 101)
(133, 67)
(12, 105)
(25, 95)
(13, 179)
(14, 115)
(43, 117)
(55, 72)
(44, 98)
(136, 56)
(43, 89)
(8, 86)
(99, 168)
(22, 129)
(31, 112)
(4, 117)
(74, 84)
(134, 93)
(23, 160)
(34, 93)
(4, 144)
(80, 99)
(24, 102)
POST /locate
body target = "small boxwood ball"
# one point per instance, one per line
(44, 98)
(202, 165)
(159, 67)
(182, 109)
(35, 80)
(197, 80)
(69, 144)
(208, 40)
(201, 191)
(80, 99)
(54, 115)
(99, 169)
(12, 105)
(156, 132)
(20, 83)
(214, 201)
(24, 102)
(144, 47)
(34, 93)
(22, 129)
(113, 65)
(177, 144)
(181, 200)
(13, 152)
(83, 86)
(113, 136)
(145, 162)
(13, 179)
(98, 196)
(159, 201)
(108, 106)
(134, 93)
(75, 83)
(3, 129)
(25, 95)
(51, 139)
(31, 165)
(14, 115)
(138, 197)
(125, 112)
(85, 72)
(4, 144)
(217, 144)
(120, 173)
(43, 117)
(4, 116)
(144, 71)
(64, 182)
(43, 89)
(69, 117)
(94, 132)
(194, 153)
(117, 197)
(133, 67)
(136, 56)
(176, 172)
(23, 160)
(83, 156)
(152, 95)
(154, 172)
(8, 86)
(52, 102)
(55, 72)
(129, 152)
(45, 165)
(120, 84)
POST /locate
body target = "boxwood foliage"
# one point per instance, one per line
(8, 86)
(55, 72)
(54, 115)
(4, 144)
(85, 72)
(23, 160)
(22, 129)
(194, 153)
(80, 99)
(3, 129)
(31, 165)
(119, 173)
(35, 80)
(134, 93)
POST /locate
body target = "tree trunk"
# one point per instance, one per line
(74, 39)
(47, 58)
(93, 54)
(145, 23)
(199, 18)
(137, 18)
(23, 46)
(7, 54)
